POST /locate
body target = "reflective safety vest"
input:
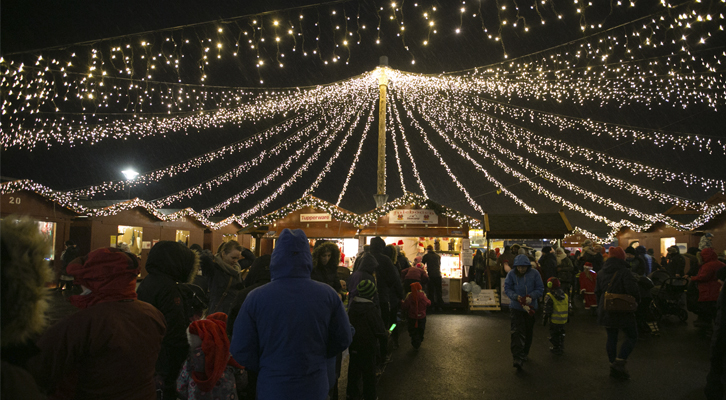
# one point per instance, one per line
(560, 309)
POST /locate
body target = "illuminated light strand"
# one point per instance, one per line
(227, 176)
(389, 115)
(596, 128)
(408, 148)
(463, 154)
(514, 131)
(199, 161)
(443, 163)
(355, 159)
(291, 180)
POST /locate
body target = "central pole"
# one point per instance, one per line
(381, 195)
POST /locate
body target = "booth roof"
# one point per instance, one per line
(527, 226)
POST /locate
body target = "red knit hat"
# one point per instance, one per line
(553, 283)
(215, 345)
(617, 252)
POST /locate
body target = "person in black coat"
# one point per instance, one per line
(326, 258)
(615, 277)
(548, 263)
(433, 268)
(168, 264)
(367, 266)
(369, 330)
(675, 263)
(389, 282)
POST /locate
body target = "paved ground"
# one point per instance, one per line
(466, 356)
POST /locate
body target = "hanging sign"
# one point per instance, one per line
(413, 217)
(319, 217)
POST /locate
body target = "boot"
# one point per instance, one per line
(617, 369)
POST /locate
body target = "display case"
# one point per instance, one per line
(450, 266)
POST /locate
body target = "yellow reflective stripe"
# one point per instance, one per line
(559, 309)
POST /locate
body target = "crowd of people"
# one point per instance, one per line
(205, 325)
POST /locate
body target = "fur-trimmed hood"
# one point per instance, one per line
(24, 274)
(392, 252)
(323, 248)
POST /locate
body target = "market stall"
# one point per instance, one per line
(213, 238)
(414, 223)
(54, 220)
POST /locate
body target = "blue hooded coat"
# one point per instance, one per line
(529, 284)
(288, 329)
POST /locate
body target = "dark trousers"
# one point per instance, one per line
(631, 337)
(416, 332)
(383, 342)
(362, 367)
(522, 327)
(434, 291)
(557, 336)
(393, 317)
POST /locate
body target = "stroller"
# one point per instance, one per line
(668, 299)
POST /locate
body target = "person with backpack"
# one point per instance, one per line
(369, 329)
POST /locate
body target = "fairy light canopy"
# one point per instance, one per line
(612, 111)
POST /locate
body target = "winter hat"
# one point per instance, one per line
(553, 283)
(587, 243)
(708, 234)
(521, 260)
(640, 250)
(588, 265)
(108, 272)
(366, 289)
(546, 249)
(417, 260)
(215, 344)
(70, 243)
(617, 252)
(674, 250)
(630, 250)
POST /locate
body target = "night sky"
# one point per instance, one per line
(56, 30)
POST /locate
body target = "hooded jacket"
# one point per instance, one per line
(529, 284)
(675, 262)
(389, 282)
(169, 263)
(288, 329)
(327, 273)
(548, 263)
(624, 283)
(365, 317)
(24, 301)
(708, 286)
(367, 266)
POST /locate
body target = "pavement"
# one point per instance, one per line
(466, 356)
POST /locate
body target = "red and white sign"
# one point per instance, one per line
(319, 217)
(413, 217)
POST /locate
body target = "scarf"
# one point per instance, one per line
(108, 274)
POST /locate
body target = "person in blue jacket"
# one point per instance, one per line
(523, 286)
(289, 329)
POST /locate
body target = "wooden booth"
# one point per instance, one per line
(518, 226)
(187, 230)
(414, 222)
(54, 220)
(213, 238)
(317, 218)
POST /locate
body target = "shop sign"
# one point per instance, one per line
(413, 217)
(467, 257)
(319, 217)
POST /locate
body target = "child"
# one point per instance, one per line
(588, 279)
(208, 372)
(556, 307)
(415, 304)
(366, 319)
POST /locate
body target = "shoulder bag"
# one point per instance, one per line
(619, 303)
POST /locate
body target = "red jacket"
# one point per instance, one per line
(416, 309)
(416, 274)
(708, 286)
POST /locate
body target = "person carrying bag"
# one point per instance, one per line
(618, 295)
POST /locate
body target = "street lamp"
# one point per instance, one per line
(130, 175)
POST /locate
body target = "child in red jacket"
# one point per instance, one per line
(415, 305)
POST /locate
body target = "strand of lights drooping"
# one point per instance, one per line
(443, 163)
(139, 126)
(393, 75)
(417, 201)
(463, 154)
(590, 155)
(423, 107)
(337, 124)
(389, 115)
(307, 201)
(197, 162)
(226, 177)
(596, 128)
(355, 159)
(330, 162)
(259, 206)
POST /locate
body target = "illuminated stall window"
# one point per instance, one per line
(182, 237)
(131, 236)
(48, 231)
